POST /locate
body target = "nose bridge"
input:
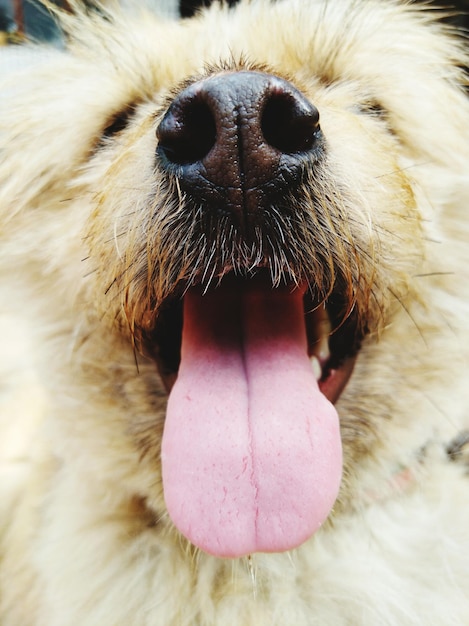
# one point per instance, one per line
(236, 97)
(244, 89)
(237, 160)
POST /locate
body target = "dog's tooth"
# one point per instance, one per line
(316, 367)
(321, 350)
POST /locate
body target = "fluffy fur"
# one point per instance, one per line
(91, 243)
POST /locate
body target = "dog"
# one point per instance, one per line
(234, 301)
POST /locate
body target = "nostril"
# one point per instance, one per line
(187, 132)
(289, 124)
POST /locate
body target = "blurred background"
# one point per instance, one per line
(26, 17)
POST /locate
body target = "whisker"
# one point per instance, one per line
(406, 309)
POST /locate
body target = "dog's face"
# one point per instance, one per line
(248, 196)
(251, 271)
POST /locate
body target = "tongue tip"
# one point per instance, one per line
(233, 544)
(230, 530)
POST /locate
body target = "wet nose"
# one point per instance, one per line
(236, 140)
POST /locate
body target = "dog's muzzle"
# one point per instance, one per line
(237, 140)
(251, 451)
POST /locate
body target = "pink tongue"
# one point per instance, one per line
(251, 451)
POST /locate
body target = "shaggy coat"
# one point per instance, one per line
(98, 242)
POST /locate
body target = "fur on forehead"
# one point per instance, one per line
(145, 54)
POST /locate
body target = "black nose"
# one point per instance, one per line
(236, 140)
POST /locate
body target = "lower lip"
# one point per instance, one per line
(337, 379)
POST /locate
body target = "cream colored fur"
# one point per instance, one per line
(85, 540)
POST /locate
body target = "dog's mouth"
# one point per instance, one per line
(332, 338)
(251, 452)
